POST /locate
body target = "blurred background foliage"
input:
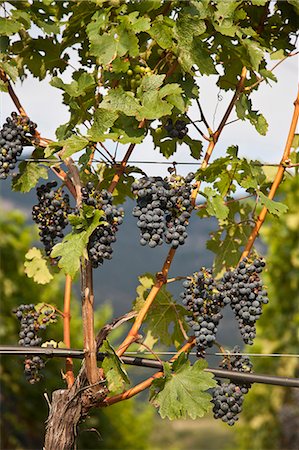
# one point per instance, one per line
(270, 419)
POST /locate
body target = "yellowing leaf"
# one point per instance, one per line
(36, 267)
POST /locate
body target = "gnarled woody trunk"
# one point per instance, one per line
(69, 407)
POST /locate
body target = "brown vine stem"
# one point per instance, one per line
(162, 276)
(278, 178)
(12, 93)
(69, 376)
(123, 164)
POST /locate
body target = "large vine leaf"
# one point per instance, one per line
(115, 374)
(28, 176)
(274, 208)
(74, 244)
(36, 267)
(166, 318)
(182, 392)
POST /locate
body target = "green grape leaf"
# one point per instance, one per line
(120, 100)
(232, 235)
(28, 176)
(115, 374)
(161, 32)
(3, 86)
(151, 82)
(103, 119)
(10, 69)
(259, 122)
(166, 318)
(182, 392)
(274, 208)
(72, 145)
(9, 26)
(76, 87)
(254, 52)
(153, 107)
(74, 244)
(295, 143)
(104, 47)
(195, 147)
(36, 267)
(117, 42)
(215, 204)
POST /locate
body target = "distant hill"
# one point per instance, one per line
(116, 280)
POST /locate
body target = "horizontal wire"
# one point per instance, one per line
(169, 163)
(286, 355)
(150, 363)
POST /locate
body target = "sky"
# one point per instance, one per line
(43, 104)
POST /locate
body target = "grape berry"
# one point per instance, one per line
(15, 133)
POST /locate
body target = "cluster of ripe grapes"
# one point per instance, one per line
(178, 129)
(163, 209)
(228, 397)
(32, 321)
(204, 297)
(101, 240)
(204, 303)
(246, 293)
(50, 214)
(15, 133)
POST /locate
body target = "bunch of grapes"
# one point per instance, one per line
(150, 209)
(179, 208)
(50, 214)
(204, 304)
(100, 242)
(32, 321)
(244, 288)
(178, 129)
(13, 136)
(228, 398)
(163, 209)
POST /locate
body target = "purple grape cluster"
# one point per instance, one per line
(178, 129)
(32, 321)
(244, 289)
(163, 209)
(228, 398)
(15, 133)
(101, 240)
(204, 303)
(50, 214)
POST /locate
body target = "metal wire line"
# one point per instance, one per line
(169, 163)
(150, 363)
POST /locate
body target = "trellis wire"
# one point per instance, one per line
(150, 363)
(169, 163)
